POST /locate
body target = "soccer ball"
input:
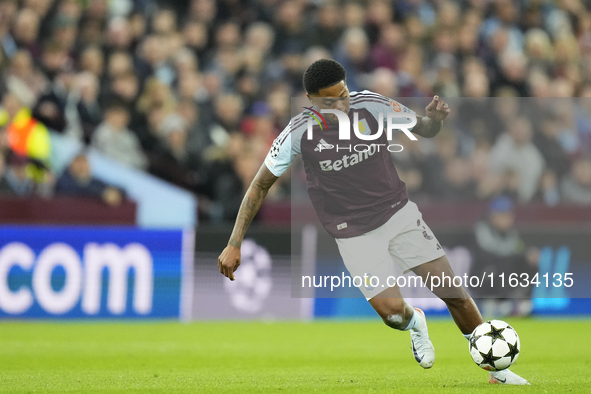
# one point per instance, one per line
(494, 345)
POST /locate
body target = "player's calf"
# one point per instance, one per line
(464, 312)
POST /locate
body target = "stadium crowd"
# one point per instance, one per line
(195, 91)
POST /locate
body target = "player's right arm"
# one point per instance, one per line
(229, 260)
(284, 149)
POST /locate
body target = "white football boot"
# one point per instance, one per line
(422, 348)
(506, 377)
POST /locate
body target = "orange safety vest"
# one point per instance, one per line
(19, 132)
(28, 137)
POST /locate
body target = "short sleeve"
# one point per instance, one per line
(285, 147)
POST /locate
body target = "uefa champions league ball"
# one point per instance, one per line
(494, 345)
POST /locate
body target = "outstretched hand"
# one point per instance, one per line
(437, 109)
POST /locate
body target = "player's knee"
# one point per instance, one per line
(393, 314)
(396, 321)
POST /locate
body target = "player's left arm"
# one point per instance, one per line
(430, 125)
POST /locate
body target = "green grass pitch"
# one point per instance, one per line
(239, 357)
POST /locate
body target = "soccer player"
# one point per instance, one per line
(363, 204)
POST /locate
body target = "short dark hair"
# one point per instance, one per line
(322, 74)
(115, 104)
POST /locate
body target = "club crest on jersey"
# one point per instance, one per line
(363, 127)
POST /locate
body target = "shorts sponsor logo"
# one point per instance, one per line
(342, 226)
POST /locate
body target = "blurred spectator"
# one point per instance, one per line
(379, 14)
(387, 52)
(513, 72)
(54, 59)
(156, 94)
(126, 87)
(260, 36)
(458, 184)
(5, 188)
(229, 110)
(549, 188)
(118, 34)
(119, 63)
(92, 60)
(26, 31)
(353, 54)
(576, 186)
(327, 30)
(196, 37)
(22, 67)
(83, 110)
(515, 153)
(175, 158)
(480, 170)
(384, 82)
(26, 136)
(50, 108)
(77, 180)
(499, 249)
(174, 137)
(354, 14)
(547, 141)
(18, 180)
(64, 30)
(115, 140)
(291, 28)
(446, 148)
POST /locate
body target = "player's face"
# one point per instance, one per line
(333, 97)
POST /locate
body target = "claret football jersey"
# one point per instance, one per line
(353, 184)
